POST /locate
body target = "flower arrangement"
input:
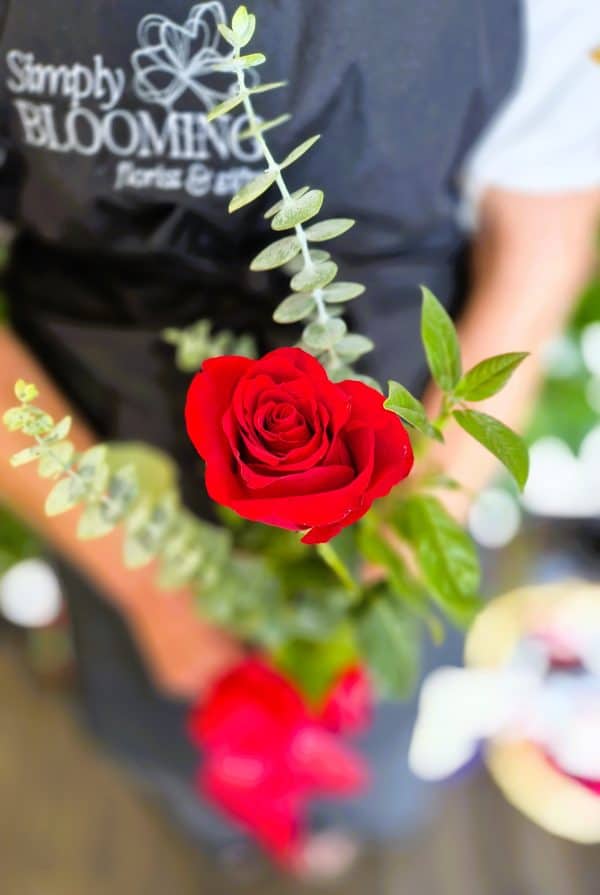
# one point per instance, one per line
(317, 475)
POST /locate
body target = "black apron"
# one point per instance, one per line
(119, 188)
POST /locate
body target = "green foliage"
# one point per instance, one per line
(315, 666)
(489, 376)
(446, 555)
(440, 342)
(411, 410)
(294, 307)
(277, 254)
(389, 640)
(196, 343)
(501, 441)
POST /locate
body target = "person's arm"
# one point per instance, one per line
(182, 652)
(531, 256)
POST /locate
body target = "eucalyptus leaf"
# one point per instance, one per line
(440, 342)
(243, 26)
(66, 494)
(299, 151)
(294, 307)
(314, 277)
(297, 211)
(16, 417)
(277, 254)
(279, 205)
(489, 376)
(27, 455)
(329, 229)
(93, 469)
(94, 523)
(252, 190)
(264, 88)
(226, 106)
(297, 264)
(411, 410)
(353, 346)
(227, 33)
(340, 292)
(255, 129)
(25, 391)
(56, 460)
(60, 430)
(501, 441)
(324, 335)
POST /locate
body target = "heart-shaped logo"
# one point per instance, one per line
(173, 59)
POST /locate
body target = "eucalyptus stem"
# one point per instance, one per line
(272, 165)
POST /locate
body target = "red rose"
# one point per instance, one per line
(286, 446)
(266, 752)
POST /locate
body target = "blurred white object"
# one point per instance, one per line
(561, 358)
(560, 483)
(559, 712)
(590, 347)
(494, 518)
(30, 594)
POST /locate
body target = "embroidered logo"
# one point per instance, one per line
(86, 109)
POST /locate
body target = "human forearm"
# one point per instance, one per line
(531, 258)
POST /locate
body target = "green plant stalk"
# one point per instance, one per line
(317, 294)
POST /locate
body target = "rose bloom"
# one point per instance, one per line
(286, 446)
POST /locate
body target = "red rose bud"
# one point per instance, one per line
(285, 446)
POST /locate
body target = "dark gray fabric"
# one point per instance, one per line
(120, 191)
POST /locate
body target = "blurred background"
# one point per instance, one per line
(73, 823)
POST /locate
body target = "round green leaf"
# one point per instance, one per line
(296, 211)
(324, 335)
(353, 346)
(277, 254)
(252, 190)
(311, 278)
(340, 292)
(295, 307)
(329, 229)
(279, 205)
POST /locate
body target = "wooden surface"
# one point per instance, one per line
(72, 823)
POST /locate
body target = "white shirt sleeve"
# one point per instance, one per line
(546, 136)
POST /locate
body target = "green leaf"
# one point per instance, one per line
(446, 554)
(317, 256)
(276, 254)
(16, 417)
(489, 376)
(227, 106)
(243, 26)
(294, 307)
(313, 667)
(57, 460)
(66, 494)
(264, 88)
(252, 190)
(501, 441)
(38, 422)
(353, 346)
(389, 640)
(60, 431)
(315, 277)
(324, 335)
(329, 229)
(252, 59)
(227, 34)
(297, 211)
(411, 410)
(279, 205)
(255, 129)
(27, 455)
(94, 523)
(299, 151)
(123, 488)
(340, 292)
(93, 470)
(25, 391)
(440, 342)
